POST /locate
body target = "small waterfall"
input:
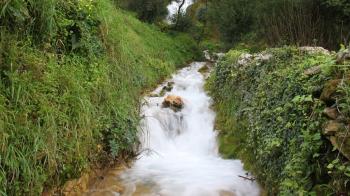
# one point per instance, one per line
(179, 155)
(174, 6)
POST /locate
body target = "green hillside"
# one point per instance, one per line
(71, 77)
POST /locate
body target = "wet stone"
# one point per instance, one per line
(173, 102)
(167, 88)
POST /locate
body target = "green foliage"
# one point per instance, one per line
(195, 23)
(233, 18)
(73, 100)
(181, 22)
(55, 25)
(147, 10)
(280, 22)
(270, 116)
(209, 45)
(340, 6)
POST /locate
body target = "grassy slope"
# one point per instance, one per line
(270, 116)
(61, 112)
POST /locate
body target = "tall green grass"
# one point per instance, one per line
(71, 98)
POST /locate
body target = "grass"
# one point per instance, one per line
(64, 108)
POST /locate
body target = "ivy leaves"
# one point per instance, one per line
(281, 116)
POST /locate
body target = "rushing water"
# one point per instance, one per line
(174, 7)
(179, 154)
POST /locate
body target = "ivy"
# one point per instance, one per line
(270, 116)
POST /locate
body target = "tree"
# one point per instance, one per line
(278, 22)
(181, 22)
(147, 10)
(179, 12)
(234, 18)
(338, 12)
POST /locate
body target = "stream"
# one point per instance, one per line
(173, 8)
(179, 152)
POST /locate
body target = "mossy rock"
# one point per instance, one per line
(279, 102)
(342, 143)
(333, 127)
(203, 69)
(329, 91)
(331, 113)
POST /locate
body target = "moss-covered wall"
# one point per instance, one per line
(271, 114)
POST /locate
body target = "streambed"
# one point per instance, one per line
(179, 152)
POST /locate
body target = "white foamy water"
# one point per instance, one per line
(174, 6)
(179, 149)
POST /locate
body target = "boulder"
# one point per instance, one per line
(333, 127)
(331, 113)
(314, 50)
(154, 95)
(244, 59)
(260, 58)
(78, 185)
(343, 56)
(313, 71)
(204, 69)
(174, 102)
(218, 56)
(338, 134)
(329, 90)
(207, 55)
(263, 57)
(107, 183)
(167, 88)
(342, 144)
